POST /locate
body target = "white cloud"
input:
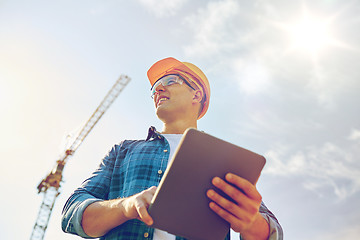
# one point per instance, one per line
(355, 135)
(214, 28)
(229, 30)
(163, 8)
(252, 76)
(347, 233)
(323, 166)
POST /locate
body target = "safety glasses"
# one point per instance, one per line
(167, 81)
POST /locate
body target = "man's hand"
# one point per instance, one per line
(243, 215)
(100, 217)
(136, 206)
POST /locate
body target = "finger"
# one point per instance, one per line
(149, 193)
(151, 189)
(144, 215)
(146, 196)
(143, 201)
(237, 216)
(242, 203)
(224, 203)
(248, 188)
(234, 193)
(244, 185)
(233, 220)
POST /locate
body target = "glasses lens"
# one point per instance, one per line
(166, 81)
(170, 80)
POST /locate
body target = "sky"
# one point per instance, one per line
(284, 81)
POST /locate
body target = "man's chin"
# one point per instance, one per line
(160, 112)
(163, 113)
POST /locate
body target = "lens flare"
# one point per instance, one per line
(310, 34)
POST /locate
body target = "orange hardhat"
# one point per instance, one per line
(171, 65)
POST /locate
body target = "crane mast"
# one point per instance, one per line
(50, 185)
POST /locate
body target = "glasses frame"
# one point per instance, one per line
(158, 82)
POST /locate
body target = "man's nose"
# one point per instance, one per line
(159, 88)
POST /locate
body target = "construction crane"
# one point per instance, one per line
(50, 185)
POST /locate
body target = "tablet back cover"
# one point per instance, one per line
(180, 205)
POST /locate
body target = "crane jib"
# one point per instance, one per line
(50, 185)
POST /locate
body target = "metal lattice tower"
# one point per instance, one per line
(50, 185)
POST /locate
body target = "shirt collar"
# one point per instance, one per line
(153, 134)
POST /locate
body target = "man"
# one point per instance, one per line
(113, 202)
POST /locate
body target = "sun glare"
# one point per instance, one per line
(310, 34)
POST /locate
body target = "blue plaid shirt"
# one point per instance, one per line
(129, 168)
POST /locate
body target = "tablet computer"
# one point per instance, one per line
(180, 205)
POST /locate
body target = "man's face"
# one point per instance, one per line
(173, 100)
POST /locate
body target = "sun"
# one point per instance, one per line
(310, 34)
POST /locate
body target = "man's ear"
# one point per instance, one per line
(197, 96)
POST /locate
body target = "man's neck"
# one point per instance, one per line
(178, 127)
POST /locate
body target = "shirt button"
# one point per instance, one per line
(165, 150)
(160, 172)
(146, 235)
